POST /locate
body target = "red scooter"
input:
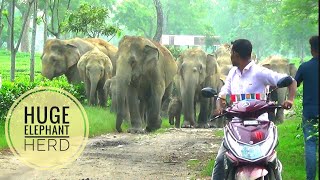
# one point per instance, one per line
(250, 142)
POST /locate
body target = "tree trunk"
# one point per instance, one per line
(12, 49)
(45, 26)
(10, 11)
(25, 37)
(1, 25)
(158, 34)
(34, 32)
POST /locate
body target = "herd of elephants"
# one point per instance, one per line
(143, 79)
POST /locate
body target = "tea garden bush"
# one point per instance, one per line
(10, 91)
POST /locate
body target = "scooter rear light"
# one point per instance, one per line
(257, 136)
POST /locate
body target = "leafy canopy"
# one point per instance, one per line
(90, 21)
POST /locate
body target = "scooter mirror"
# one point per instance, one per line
(284, 82)
(208, 92)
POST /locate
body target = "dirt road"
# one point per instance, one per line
(173, 154)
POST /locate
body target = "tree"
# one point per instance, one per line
(25, 42)
(57, 11)
(187, 17)
(137, 16)
(45, 19)
(14, 49)
(90, 21)
(158, 34)
(34, 32)
(1, 24)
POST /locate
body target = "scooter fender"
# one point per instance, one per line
(250, 172)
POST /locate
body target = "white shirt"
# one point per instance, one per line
(254, 79)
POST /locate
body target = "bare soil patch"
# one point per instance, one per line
(173, 154)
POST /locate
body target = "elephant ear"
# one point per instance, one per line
(151, 53)
(108, 67)
(73, 54)
(82, 67)
(292, 70)
(210, 65)
(267, 66)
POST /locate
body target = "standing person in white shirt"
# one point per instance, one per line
(246, 78)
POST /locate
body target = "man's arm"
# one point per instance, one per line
(292, 93)
(298, 76)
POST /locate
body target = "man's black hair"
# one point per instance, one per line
(243, 47)
(314, 42)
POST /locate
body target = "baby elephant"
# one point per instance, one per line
(95, 68)
(174, 111)
(110, 88)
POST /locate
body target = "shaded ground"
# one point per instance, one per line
(173, 154)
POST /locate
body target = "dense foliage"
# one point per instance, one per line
(10, 92)
(90, 21)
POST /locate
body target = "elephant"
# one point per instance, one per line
(110, 88)
(145, 71)
(196, 70)
(223, 58)
(107, 48)
(61, 57)
(95, 68)
(174, 111)
(280, 65)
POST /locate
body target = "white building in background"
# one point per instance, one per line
(186, 40)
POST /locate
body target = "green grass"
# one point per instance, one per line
(101, 121)
(3, 142)
(290, 152)
(22, 65)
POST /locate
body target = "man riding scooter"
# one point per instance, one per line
(247, 78)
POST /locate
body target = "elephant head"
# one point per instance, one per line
(280, 65)
(223, 58)
(95, 68)
(107, 48)
(61, 56)
(195, 69)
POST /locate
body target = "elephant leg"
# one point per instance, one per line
(134, 111)
(153, 110)
(203, 115)
(102, 96)
(279, 116)
(178, 115)
(142, 112)
(171, 119)
(113, 104)
(281, 97)
(166, 100)
(273, 97)
(127, 115)
(177, 123)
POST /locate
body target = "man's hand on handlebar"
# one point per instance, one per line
(287, 104)
(221, 104)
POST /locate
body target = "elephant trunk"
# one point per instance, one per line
(123, 80)
(187, 97)
(94, 79)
